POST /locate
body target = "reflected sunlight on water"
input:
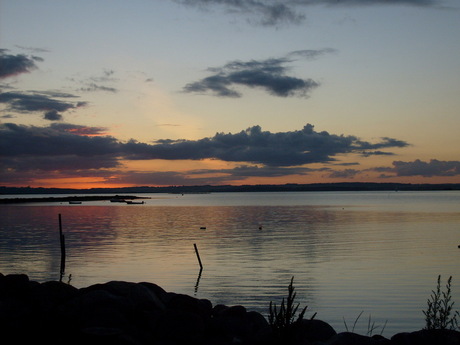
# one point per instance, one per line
(379, 253)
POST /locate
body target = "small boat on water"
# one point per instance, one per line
(131, 202)
(74, 202)
(117, 200)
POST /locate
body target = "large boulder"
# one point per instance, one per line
(189, 304)
(313, 331)
(231, 325)
(49, 295)
(125, 313)
(349, 338)
(180, 327)
(427, 337)
(14, 285)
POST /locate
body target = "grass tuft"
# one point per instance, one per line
(371, 326)
(283, 319)
(439, 313)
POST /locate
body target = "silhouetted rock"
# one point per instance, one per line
(311, 331)
(427, 337)
(125, 313)
(349, 338)
(15, 285)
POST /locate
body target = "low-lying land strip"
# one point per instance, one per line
(69, 198)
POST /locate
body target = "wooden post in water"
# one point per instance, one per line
(62, 241)
(198, 256)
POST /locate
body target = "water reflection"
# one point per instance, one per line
(345, 259)
(197, 285)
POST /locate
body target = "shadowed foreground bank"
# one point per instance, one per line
(143, 313)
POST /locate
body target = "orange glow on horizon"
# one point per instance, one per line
(154, 173)
(77, 183)
(96, 182)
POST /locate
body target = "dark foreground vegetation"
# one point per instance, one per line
(120, 312)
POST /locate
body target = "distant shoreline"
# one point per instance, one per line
(69, 199)
(290, 187)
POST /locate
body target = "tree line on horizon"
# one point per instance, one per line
(290, 187)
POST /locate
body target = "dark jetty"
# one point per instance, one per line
(68, 199)
(120, 312)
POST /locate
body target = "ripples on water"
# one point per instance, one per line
(349, 252)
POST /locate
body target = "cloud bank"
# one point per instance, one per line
(253, 145)
(427, 169)
(63, 150)
(305, 146)
(75, 150)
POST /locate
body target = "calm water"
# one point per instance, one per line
(376, 252)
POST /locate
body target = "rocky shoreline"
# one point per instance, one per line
(121, 312)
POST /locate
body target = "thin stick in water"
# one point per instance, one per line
(198, 256)
(62, 241)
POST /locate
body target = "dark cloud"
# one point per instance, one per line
(79, 130)
(265, 171)
(372, 149)
(11, 65)
(102, 82)
(420, 168)
(384, 143)
(269, 75)
(58, 151)
(207, 176)
(361, 2)
(366, 2)
(52, 115)
(269, 12)
(376, 153)
(382, 169)
(46, 102)
(158, 178)
(275, 12)
(99, 82)
(312, 54)
(21, 140)
(64, 148)
(427, 169)
(346, 164)
(244, 171)
(253, 145)
(282, 149)
(94, 87)
(23, 102)
(68, 164)
(106, 76)
(347, 173)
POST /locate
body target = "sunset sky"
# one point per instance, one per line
(192, 92)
